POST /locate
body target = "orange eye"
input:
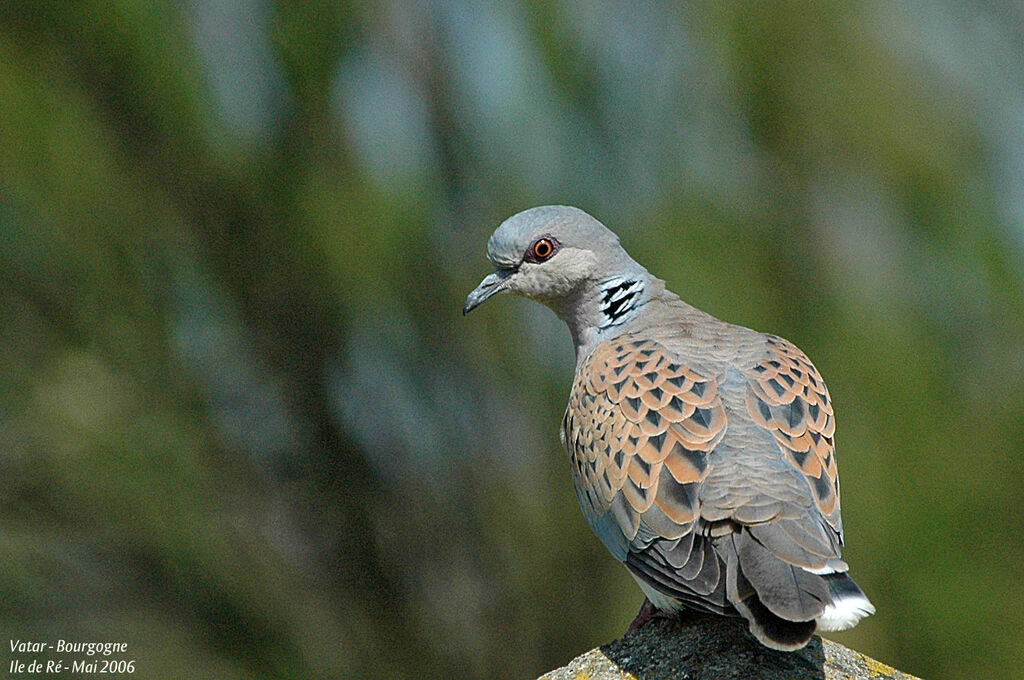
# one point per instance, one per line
(543, 249)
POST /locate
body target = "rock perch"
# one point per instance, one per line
(704, 647)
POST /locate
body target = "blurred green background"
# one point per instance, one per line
(245, 429)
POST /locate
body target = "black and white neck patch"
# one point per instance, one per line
(619, 296)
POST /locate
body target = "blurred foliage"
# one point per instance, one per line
(245, 430)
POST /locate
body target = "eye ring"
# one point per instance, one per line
(542, 249)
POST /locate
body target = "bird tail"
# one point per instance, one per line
(849, 604)
(774, 631)
(785, 604)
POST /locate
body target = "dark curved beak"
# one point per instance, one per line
(491, 285)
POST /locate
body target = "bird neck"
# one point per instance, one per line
(606, 308)
(620, 296)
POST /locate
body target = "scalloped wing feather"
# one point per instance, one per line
(787, 396)
(639, 428)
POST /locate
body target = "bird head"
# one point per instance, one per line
(552, 254)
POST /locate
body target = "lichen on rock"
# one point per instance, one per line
(717, 648)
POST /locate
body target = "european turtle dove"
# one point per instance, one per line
(701, 451)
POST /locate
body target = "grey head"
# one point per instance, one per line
(563, 258)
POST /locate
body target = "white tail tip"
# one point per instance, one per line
(844, 613)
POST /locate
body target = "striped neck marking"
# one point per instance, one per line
(619, 296)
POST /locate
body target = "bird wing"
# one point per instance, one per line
(639, 427)
(787, 396)
(644, 429)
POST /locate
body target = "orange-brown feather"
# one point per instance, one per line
(787, 396)
(651, 423)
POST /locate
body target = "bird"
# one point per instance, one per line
(702, 453)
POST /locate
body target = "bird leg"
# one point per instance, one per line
(647, 612)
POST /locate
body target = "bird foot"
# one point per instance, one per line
(647, 612)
